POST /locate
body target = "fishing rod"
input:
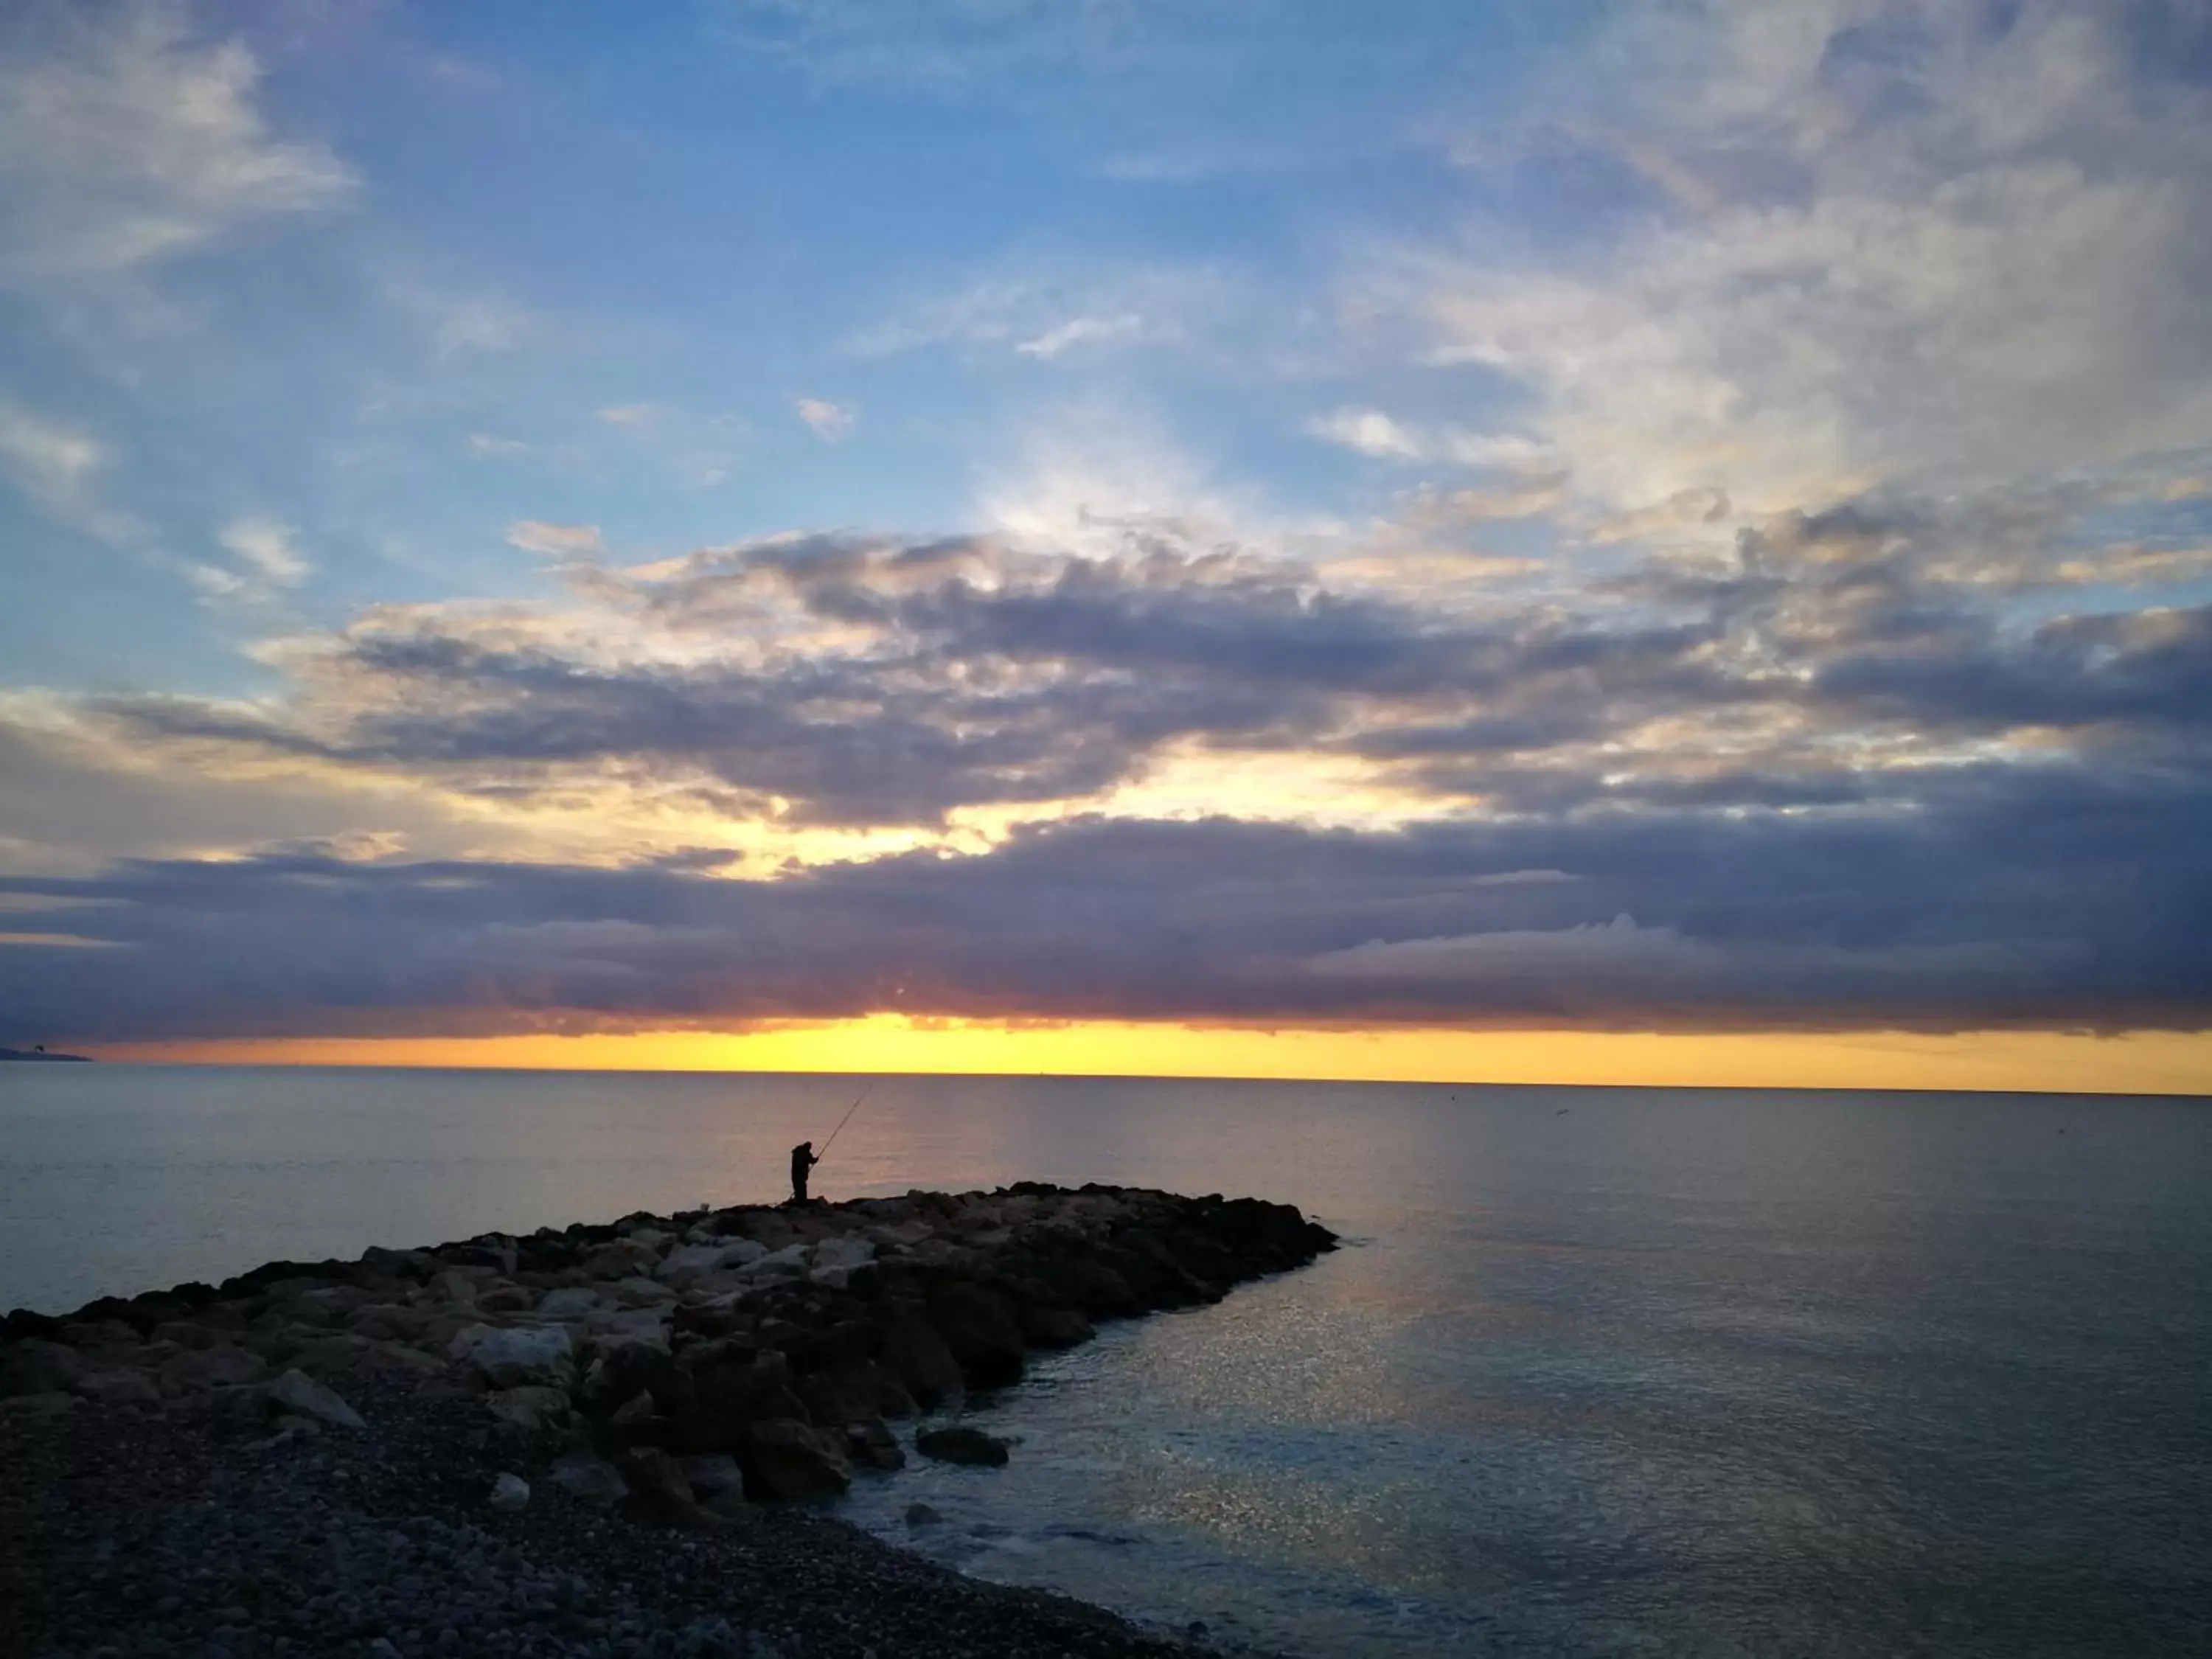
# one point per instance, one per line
(847, 1118)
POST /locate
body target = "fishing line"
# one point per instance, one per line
(847, 1118)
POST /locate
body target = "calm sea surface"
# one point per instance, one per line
(1603, 1373)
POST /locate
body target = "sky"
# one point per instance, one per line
(1655, 541)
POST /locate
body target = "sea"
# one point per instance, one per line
(1596, 1372)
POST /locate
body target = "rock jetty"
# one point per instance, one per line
(544, 1409)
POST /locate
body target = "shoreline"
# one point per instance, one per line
(672, 1391)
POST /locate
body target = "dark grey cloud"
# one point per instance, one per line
(855, 682)
(2057, 896)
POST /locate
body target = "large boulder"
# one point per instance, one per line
(37, 1366)
(119, 1388)
(1055, 1328)
(917, 1356)
(713, 1476)
(533, 1408)
(789, 1461)
(509, 1358)
(843, 1253)
(873, 1446)
(728, 1395)
(589, 1479)
(854, 1391)
(571, 1302)
(299, 1394)
(789, 1262)
(222, 1366)
(659, 1489)
(1097, 1289)
(979, 1328)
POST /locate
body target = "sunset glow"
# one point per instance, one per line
(2029, 1061)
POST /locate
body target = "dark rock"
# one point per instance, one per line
(727, 1398)
(979, 1328)
(916, 1355)
(784, 1459)
(659, 1491)
(220, 1366)
(854, 1391)
(589, 1479)
(1056, 1327)
(36, 1366)
(873, 1446)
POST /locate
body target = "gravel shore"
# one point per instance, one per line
(126, 1531)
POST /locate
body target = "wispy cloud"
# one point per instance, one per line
(556, 540)
(1378, 436)
(266, 549)
(634, 415)
(125, 139)
(58, 468)
(1049, 316)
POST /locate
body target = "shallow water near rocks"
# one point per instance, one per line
(1601, 1372)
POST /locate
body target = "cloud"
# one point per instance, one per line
(556, 541)
(58, 469)
(947, 45)
(486, 443)
(265, 548)
(1850, 659)
(124, 140)
(1942, 245)
(56, 941)
(1371, 433)
(1052, 315)
(631, 415)
(831, 423)
(1941, 921)
(1063, 337)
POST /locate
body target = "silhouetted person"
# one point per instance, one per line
(802, 1165)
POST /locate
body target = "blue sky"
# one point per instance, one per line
(807, 440)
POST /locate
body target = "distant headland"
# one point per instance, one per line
(38, 1053)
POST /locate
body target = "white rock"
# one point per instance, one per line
(843, 1253)
(526, 1353)
(456, 1288)
(742, 1252)
(573, 1302)
(792, 1259)
(302, 1396)
(640, 1325)
(642, 1293)
(509, 1492)
(831, 1279)
(654, 1238)
(692, 1259)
